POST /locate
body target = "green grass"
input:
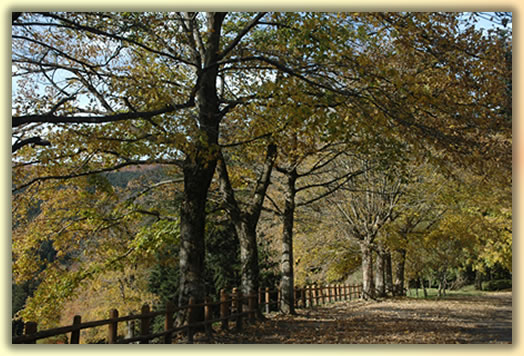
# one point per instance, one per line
(433, 292)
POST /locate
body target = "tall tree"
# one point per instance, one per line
(123, 89)
(366, 204)
(246, 219)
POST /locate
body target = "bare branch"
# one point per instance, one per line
(345, 178)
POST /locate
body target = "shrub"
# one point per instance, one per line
(497, 284)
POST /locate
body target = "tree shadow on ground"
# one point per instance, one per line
(477, 320)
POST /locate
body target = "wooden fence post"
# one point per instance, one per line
(75, 334)
(207, 316)
(268, 300)
(304, 295)
(236, 301)
(112, 330)
(240, 309)
(144, 323)
(190, 319)
(225, 307)
(30, 329)
(260, 299)
(168, 338)
(251, 302)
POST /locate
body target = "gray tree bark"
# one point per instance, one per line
(245, 221)
(199, 167)
(380, 286)
(368, 286)
(400, 261)
(388, 273)
(286, 262)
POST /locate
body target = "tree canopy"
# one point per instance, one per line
(141, 139)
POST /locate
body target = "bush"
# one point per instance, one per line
(497, 284)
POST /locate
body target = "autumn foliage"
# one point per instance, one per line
(165, 155)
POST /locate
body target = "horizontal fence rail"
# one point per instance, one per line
(229, 312)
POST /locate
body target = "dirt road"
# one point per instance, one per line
(462, 319)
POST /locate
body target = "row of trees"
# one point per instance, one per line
(421, 225)
(370, 119)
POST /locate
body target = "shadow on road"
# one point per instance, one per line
(464, 319)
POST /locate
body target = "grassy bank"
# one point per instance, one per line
(433, 292)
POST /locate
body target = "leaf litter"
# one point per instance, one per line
(482, 319)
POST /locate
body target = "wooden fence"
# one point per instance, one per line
(232, 308)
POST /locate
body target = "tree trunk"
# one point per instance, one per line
(286, 263)
(245, 222)
(380, 286)
(398, 288)
(368, 288)
(478, 280)
(248, 256)
(130, 329)
(197, 178)
(424, 287)
(199, 167)
(388, 273)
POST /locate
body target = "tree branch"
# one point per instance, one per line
(53, 119)
(38, 141)
(345, 178)
(263, 182)
(83, 174)
(227, 190)
(240, 35)
(75, 26)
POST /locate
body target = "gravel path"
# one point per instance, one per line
(460, 319)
